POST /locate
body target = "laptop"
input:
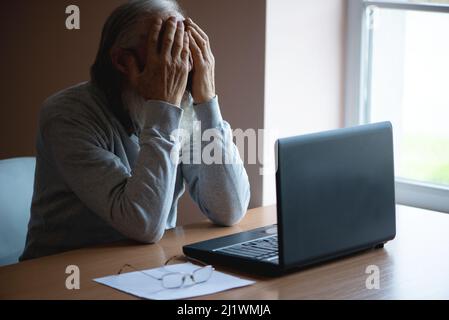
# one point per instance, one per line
(335, 197)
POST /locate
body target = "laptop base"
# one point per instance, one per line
(206, 251)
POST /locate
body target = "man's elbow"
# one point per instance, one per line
(228, 221)
(231, 212)
(151, 237)
(147, 229)
(229, 216)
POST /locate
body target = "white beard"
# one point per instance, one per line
(135, 104)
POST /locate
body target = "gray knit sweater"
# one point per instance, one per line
(95, 183)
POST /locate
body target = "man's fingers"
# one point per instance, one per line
(200, 42)
(195, 49)
(169, 37)
(192, 25)
(198, 29)
(185, 49)
(178, 44)
(153, 38)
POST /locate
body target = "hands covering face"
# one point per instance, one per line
(169, 47)
(203, 77)
(164, 76)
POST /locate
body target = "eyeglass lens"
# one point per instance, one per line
(203, 274)
(176, 280)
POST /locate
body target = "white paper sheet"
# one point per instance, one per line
(143, 286)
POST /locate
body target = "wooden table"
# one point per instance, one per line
(414, 265)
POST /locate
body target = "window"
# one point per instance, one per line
(398, 70)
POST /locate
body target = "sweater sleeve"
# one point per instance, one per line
(135, 203)
(218, 185)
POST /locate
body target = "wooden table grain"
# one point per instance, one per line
(413, 266)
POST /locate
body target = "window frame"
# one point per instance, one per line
(408, 192)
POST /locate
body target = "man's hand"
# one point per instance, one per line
(165, 74)
(203, 78)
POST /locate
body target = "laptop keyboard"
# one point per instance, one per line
(259, 249)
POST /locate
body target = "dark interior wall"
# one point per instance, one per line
(39, 56)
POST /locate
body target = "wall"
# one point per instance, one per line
(304, 71)
(39, 57)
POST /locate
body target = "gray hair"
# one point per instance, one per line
(119, 30)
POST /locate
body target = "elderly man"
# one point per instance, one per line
(105, 165)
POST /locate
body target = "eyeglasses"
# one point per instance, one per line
(174, 280)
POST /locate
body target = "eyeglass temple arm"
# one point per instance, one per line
(186, 258)
(135, 269)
